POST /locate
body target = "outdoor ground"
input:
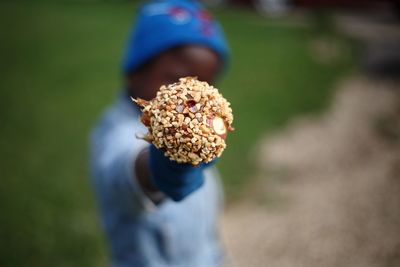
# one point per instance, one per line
(327, 193)
(60, 69)
(327, 189)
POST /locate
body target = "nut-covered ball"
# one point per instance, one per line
(188, 120)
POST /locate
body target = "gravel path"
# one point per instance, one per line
(329, 190)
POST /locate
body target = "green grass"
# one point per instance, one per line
(273, 78)
(59, 66)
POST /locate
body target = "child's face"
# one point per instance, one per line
(167, 68)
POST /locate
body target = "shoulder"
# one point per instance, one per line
(117, 131)
(120, 119)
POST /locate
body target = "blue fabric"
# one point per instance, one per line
(161, 25)
(173, 234)
(176, 180)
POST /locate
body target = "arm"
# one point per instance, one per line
(142, 171)
(159, 177)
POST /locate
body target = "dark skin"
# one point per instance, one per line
(168, 67)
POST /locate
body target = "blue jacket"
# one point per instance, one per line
(140, 234)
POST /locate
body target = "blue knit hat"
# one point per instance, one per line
(161, 25)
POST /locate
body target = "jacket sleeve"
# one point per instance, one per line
(113, 153)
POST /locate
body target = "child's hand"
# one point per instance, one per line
(174, 179)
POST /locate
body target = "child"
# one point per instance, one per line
(156, 212)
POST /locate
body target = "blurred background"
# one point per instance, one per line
(312, 172)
